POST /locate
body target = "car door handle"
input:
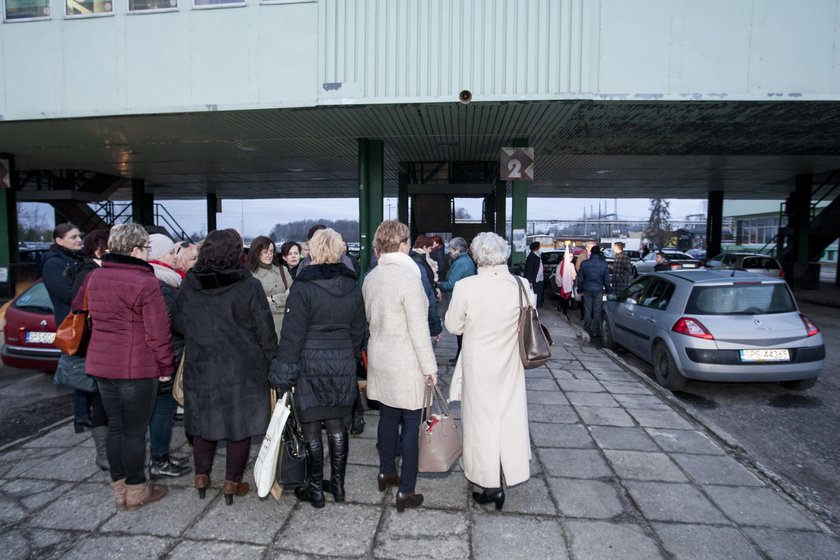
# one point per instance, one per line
(650, 319)
(630, 314)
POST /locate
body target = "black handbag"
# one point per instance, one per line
(533, 346)
(293, 455)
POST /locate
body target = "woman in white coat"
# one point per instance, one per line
(494, 410)
(400, 356)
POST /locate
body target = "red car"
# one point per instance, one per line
(29, 331)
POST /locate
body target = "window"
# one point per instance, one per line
(635, 291)
(740, 299)
(18, 10)
(89, 8)
(659, 295)
(151, 5)
(217, 3)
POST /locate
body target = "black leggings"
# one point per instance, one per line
(312, 430)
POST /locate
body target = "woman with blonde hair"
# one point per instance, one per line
(400, 356)
(494, 410)
(320, 342)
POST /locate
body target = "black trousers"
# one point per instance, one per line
(389, 423)
(128, 404)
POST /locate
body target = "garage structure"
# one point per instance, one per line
(326, 98)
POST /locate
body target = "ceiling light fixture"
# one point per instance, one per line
(296, 169)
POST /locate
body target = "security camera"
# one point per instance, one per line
(465, 96)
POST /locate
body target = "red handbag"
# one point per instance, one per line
(73, 333)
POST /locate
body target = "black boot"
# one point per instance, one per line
(313, 492)
(338, 464)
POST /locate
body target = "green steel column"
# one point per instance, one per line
(402, 197)
(489, 216)
(8, 211)
(714, 223)
(800, 218)
(519, 211)
(212, 208)
(501, 208)
(371, 189)
(142, 205)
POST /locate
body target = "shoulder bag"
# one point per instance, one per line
(439, 442)
(71, 372)
(73, 333)
(265, 468)
(293, 460)
(178, 382)
(533, 346)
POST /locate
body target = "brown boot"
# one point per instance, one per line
(138, 495)
(232, 488)
(119, 494)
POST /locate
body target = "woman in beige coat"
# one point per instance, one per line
(275, 280)
(400, 356)
(494, 412)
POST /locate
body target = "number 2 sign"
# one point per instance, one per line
(517, 164)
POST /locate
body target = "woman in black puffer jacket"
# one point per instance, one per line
(321, 338)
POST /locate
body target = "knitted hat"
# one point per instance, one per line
(160, 246)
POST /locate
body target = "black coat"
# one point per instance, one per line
(60, 266)
(321, 338)
(229, 336)
(532, 268)
(420, 259)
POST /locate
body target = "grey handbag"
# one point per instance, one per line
(440, 444)
(533, 346)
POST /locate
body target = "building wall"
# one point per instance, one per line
(306, 53)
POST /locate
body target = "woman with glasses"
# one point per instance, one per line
(275, 280)
(129, 352)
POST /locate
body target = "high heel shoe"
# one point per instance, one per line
(497, 497)
(202, 483)
(231, 489)
(383, 481)
(408, 500)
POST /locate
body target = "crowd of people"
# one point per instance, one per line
(296, 321)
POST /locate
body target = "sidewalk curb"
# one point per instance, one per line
(823, 516)
(36, 435)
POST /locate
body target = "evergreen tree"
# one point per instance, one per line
(659, 224)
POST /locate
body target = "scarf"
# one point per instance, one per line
(565, 276)
(166, 274)
(399, 259)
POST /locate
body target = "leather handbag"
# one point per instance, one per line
(293, 455)
(178, 382)
(73, 334)
(71, 372)
(534, 348)
(439, 442)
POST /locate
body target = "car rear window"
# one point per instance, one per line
(35, 298)
(743, 298)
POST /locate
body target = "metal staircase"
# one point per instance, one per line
(825, 222)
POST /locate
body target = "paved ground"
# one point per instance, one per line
(616, 473)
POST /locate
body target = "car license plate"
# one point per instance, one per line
(782, 355)
(689, 266)
(40, 337)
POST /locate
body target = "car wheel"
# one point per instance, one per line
(607, 340)
(800, 384)
(665, 369)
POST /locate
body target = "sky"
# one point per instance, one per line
(258, 217)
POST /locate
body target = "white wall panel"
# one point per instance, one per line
(33, 69)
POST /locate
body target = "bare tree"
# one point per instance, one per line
(659, 223)
(462, 214)
(33, 224)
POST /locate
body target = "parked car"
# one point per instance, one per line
(29, 331)
(715, 325)
(750, 262)
(676, 260)
(699, 254)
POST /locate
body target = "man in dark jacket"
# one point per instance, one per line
(593, 283)
(661, 262)
(622, 269)
(534, 271)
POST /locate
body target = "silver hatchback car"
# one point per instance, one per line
(715, 325)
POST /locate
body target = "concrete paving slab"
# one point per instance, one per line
(644, 465)
(604, 416)
(257, 521)
(633, 387)
(760, 507)
(703, 542)
(536, 384)
(64, 436)
(531, 497)
(610, 437)
(496, 537)
(32, 495)
(360, 484)
(362, 452)
(419, 533)
(580, 386)
(95, 500)
(17, 461)
(344, 530)
(77, 464)
(646, 402)
(441, 491)
(594, 499)
(118, 548)
(591, 399)
(716, 469)
(541, 372)
(684, 441)
(574, 463)
(795, 545)
(615, 375)
(561, 435)
(660, 419)
(561, 373)
(191, 550)
(43, 544)
(601, 540)
(666, 501)
(552, 413)
(11, 511)
(185, 502)
(546, 397)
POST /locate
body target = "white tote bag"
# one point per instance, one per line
(265, 468)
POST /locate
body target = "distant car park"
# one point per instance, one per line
(749, 262)
(29, 331)
(676, 259)
(715, 325)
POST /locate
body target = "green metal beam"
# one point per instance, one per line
(519, 211)
(501, 208)
(402, 197)
(212, 208)
(371, 190)
(801, 215)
